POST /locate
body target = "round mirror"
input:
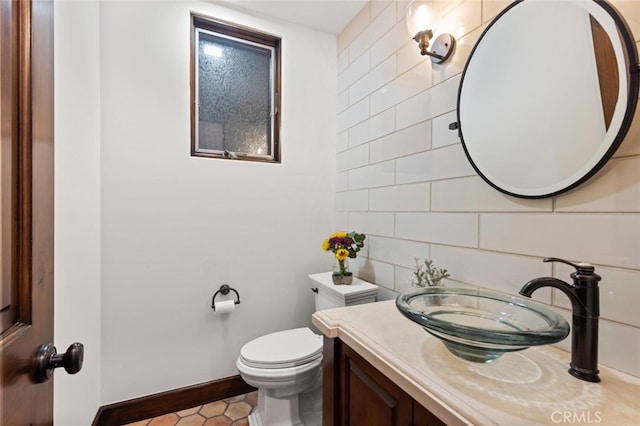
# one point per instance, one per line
(547, 95)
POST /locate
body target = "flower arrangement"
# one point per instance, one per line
(427, 275)
(344, 245)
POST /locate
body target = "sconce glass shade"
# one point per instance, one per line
(421, 15)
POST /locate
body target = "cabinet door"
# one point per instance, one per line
(368, 397)
(423, 417)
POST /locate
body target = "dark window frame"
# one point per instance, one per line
(200, 22)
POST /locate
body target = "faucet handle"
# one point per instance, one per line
(581, 267)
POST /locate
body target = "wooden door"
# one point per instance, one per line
(26, 301)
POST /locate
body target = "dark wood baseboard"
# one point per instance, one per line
(145, 407)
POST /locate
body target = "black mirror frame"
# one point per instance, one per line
(633, 74)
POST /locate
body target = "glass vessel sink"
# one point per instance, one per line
(481, 325)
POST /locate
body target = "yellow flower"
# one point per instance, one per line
(338, 234)
(325, 245)
(342, 254)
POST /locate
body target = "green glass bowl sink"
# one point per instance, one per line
(481, 325)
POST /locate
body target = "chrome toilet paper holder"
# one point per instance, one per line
(224, 290)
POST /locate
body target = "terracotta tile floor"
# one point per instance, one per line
(227, 412)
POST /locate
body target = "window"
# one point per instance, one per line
(235, 92)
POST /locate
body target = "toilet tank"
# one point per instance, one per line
(329, 295)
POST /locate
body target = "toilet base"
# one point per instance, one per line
(304, 409)
(310, 406)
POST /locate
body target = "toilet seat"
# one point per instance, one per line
(283, 349)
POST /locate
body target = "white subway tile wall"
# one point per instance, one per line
(373, 128)
(403, 142)
(404, 180)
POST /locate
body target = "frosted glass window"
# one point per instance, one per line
(235, 92)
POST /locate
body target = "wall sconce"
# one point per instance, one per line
(421, 19)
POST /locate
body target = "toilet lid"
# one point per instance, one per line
(288, 348)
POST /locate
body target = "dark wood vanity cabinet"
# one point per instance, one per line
(355, 393)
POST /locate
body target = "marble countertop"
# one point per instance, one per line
(530, 387)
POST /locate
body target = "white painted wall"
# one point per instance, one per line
(175, 227)
(77, 207)
(403, 179)
(160, 230)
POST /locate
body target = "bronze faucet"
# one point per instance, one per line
(585, 303)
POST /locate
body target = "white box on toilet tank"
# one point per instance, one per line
(329, 295)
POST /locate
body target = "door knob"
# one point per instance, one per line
(48, 359)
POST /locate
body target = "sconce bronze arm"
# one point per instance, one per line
(442, 49)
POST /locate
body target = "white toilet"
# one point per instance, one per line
(286, 366)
